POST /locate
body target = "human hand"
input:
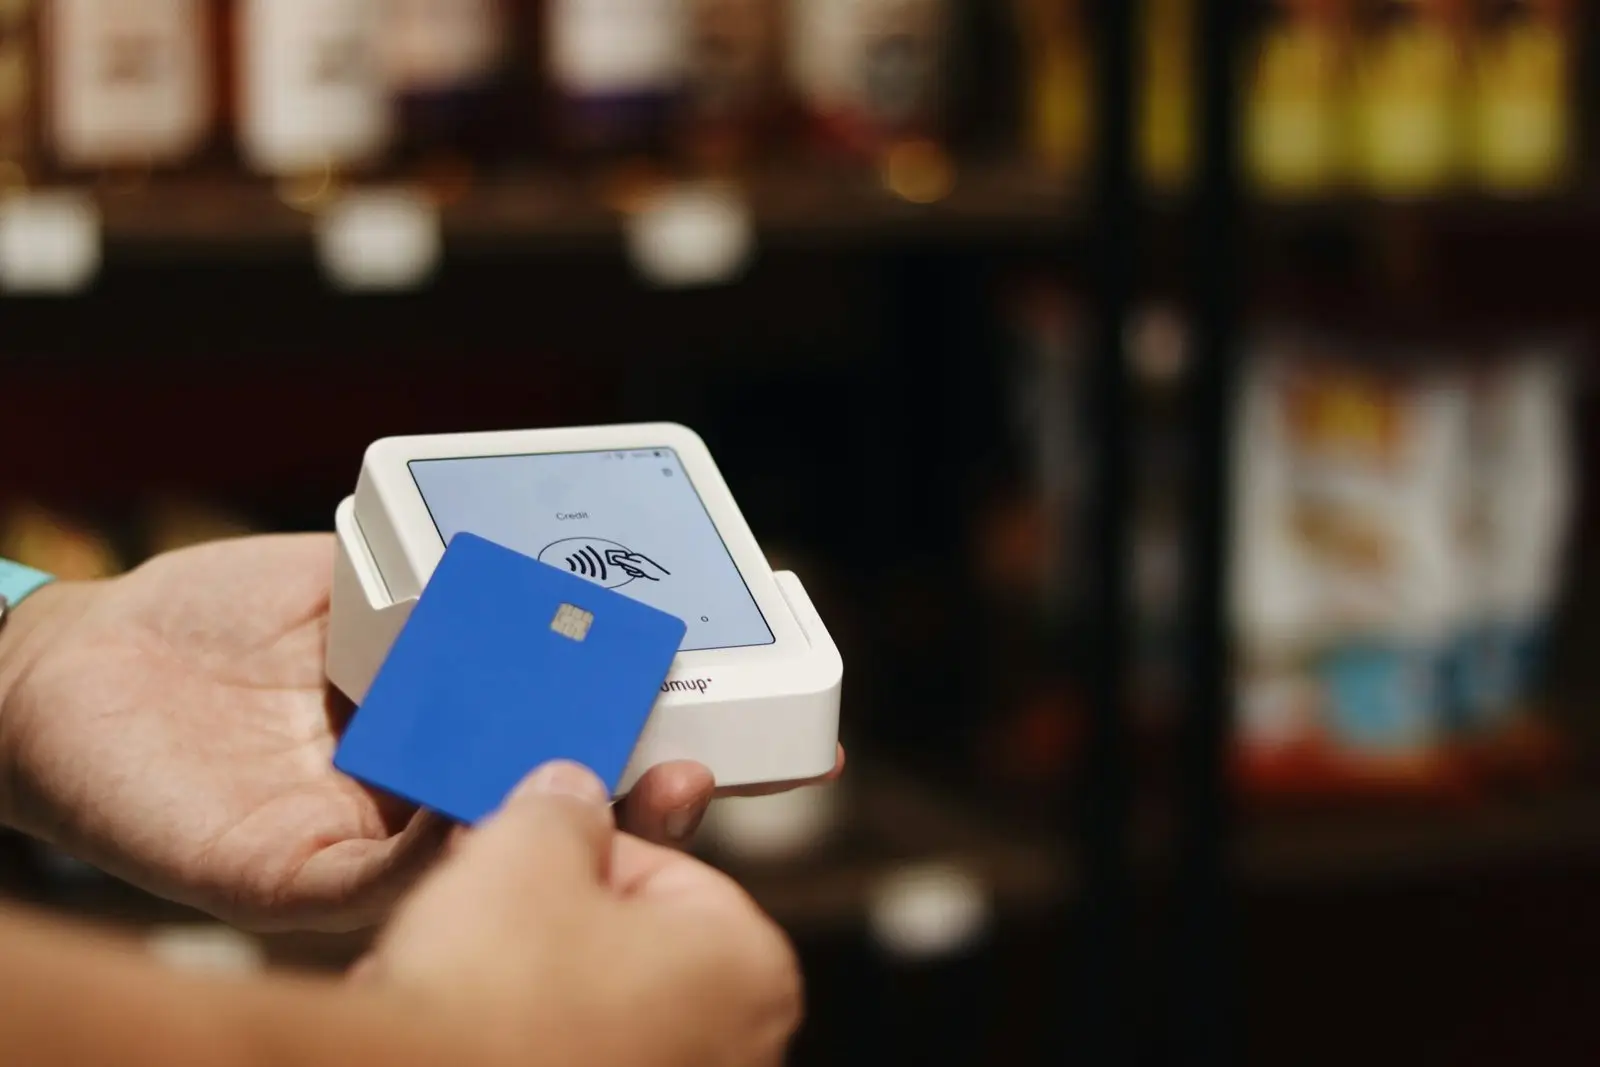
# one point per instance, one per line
(562, 940)
(173, 727)
(636, 565)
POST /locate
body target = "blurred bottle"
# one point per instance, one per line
(1521, 118)
(444, 60)
(1166, 115)
(1030, 551)
(870, 74)
(174, 522)
(1294, 126)
(1159, 352)
(51, 541)
(129, 85)
(313, 97)
(1409, 95)
(1059, 90)
(735, 79)
(18, 102)
(617, 71)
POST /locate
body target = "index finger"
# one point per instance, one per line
(557, 823)
(767, 789)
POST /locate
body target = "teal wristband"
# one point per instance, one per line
(17, 583)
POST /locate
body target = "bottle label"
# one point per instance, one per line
(439, 45)
(901, 64)
(314, 91)
(129, 80)
(16, 75)
(876, 60)
(618, 47)
(822, 60)
(731, 52)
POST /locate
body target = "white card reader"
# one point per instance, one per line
(754, 691)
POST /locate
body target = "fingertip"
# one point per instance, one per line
(668, 802)
(562, 778)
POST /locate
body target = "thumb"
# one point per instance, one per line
(555, 826)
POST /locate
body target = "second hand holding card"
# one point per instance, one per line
(504, 664)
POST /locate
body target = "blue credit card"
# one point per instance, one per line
(504, 664)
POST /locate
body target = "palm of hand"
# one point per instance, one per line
(179, 734)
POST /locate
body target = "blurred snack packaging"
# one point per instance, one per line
(1399, 522)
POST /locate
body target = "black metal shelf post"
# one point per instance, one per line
(1098, 1021)
(1199, 1023)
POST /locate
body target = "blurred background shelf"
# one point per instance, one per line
(1389, 844)
(878, 828)
(555, 212)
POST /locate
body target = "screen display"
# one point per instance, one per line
(630, 521)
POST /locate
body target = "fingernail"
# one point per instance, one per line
(564, 778)
(682, 824)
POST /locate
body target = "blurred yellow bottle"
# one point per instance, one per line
(174, 522)
(1410, 77)
(1293, 131)
(39, 537)
(1167, 81)
(1521, 114)
(1060, 85)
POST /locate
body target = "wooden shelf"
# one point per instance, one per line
(546, 211)
(1396, 842)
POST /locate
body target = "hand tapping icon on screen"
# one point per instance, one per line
(636, 564)
(605, 562)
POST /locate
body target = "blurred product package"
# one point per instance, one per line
(1523, 510)
(1398, 532)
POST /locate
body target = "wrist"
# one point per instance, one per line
(27, 632)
